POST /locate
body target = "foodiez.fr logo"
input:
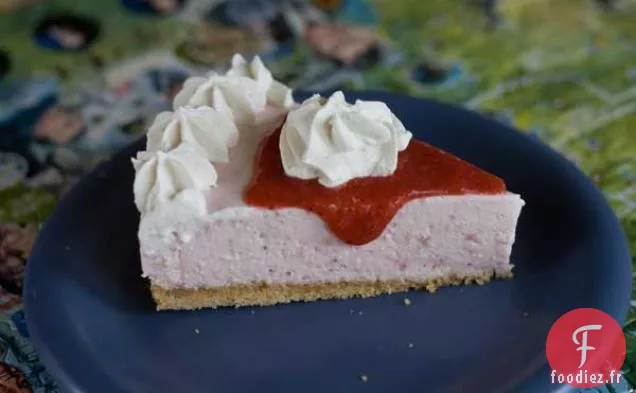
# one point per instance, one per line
(585, 349)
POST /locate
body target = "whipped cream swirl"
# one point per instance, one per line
(334, 141)
(240, 98)
(205, 128)
(242, 93)
(277, 93)
(179, 174)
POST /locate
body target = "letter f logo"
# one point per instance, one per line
(575, 351)
(583, 344)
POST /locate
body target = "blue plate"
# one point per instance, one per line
(92, 319)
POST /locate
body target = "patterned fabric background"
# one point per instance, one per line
(81, 79)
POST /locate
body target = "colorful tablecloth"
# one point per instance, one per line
(81, 79)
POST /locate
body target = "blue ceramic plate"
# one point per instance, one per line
(92, 319)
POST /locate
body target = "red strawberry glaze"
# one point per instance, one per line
(358, 211)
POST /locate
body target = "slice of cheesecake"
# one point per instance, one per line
(327, 200)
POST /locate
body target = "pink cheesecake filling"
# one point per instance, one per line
(428, 238)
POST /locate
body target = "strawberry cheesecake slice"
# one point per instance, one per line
(247, 198)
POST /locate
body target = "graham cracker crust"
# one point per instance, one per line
(265, 295)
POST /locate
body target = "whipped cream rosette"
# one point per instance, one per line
(240, 98)
(243, 92)
(277, 93)
(180, 174)
(204, 128)
(335, 141)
